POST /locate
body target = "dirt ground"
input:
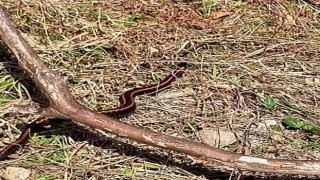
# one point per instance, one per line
(258, 67)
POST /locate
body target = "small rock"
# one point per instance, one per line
(17, 173)
(217, 138)
(270, 123)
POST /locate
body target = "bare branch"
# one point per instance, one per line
(62, 104)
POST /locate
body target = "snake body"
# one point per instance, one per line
(127, 106)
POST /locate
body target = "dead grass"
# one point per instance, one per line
(254, 49)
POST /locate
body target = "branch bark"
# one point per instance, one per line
(63, 105)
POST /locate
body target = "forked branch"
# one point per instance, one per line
(63, 105)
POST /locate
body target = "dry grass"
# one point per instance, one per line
(254, 49)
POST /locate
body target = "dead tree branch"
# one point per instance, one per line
(63, 105)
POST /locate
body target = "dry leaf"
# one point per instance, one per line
(312, 81)
(153, 50)
(205, 94)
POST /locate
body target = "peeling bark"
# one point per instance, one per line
(63, 105)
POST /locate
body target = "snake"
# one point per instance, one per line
(127, 105)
